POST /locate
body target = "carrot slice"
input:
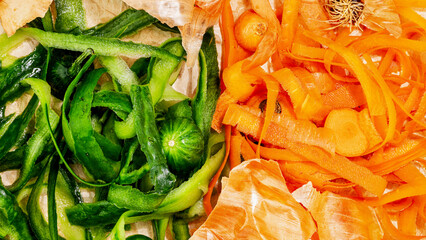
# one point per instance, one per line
(350, 139)
(407, 219)
(390, 229)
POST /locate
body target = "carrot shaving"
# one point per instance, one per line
(346, 96)
(374, 98)
(207, 197)
(247, 152)
(232, 52)
(411, 3)
(342, 167)
(235, 151)
(273, 90)
(221, 106)
(289, 23)
(307, 104)
(279, 133)
(407, 220)
(307, 51)
(390, 229)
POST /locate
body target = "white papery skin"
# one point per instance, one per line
(171, 12)
(15, 14)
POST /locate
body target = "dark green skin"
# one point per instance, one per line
(129, 174)
(70, 16)
(124, 24)
(161, 69)
(51, 199)
(160, 228)
(133, 199)
(181, 109)
(204, 103)
(94, 214)
(149, 139)
(180, 229)
(100, 46)
(87, 149)
(34, 148)
(118, 102)
(17, 127)
(10, 77)
(12, 220)
(181, 198)
(35, 215)
(59, 75)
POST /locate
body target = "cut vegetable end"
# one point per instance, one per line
(350, 139)
(250, 29)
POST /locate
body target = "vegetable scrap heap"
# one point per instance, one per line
(334, 93)
(123, 134)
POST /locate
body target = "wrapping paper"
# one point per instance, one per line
(256, 204)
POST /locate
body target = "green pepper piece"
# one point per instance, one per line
(13, 222)
(149, 139)
(133, 199)
(87, 149)
(70, 16)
